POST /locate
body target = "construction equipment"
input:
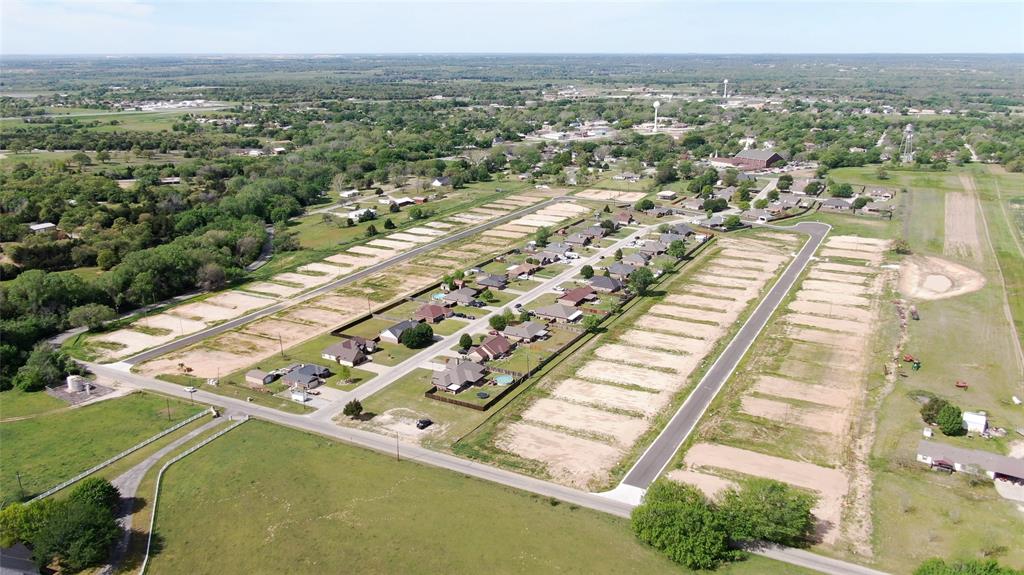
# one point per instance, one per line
(917, 365)
(961, 384)
(908, 358)
(913, 313)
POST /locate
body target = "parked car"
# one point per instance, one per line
(424, 423)
(190, 389)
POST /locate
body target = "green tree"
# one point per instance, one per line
(388, 224)
(487, 295)
(767, 510)
(644, 205)
(541, 236)
(76, 535)
(937, 566)
(524, 315)
(498, 322)
(353, 409)
(640, 281)
(371, 231)
(930, 410)
(618, 255)
(733, 222)
(680, 522)
(465, 341)
(785, 182)
(591, 323)
(82, 159)
(96, 491)
(103, 156)
(860, 202)
(587, 272)
(418, 337)
(677, 249)
(761, 204)
(90, 315)
(950, 420)
(842, 190)
(881, 174)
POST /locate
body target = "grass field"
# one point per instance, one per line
(238, 496)
(48, 449)
(16, 403)
(306, 352)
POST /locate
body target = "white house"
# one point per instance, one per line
(42, 228)
(666, 195)
(975, 421)
(356, 214)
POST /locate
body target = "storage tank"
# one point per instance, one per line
(76, 383)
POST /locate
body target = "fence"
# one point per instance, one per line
(160, 477)
(124, 453)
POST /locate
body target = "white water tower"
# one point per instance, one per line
(725, 88)
(657, 104)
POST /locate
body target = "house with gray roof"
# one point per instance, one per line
(653, 247)
(620, 270)
(306, 376)
(461, 296)
(638, 259)
(559, 312)
(606, 284)
(394, 333)
(458, 375)
(492, 281)
(526, 331)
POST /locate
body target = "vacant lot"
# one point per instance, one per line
(238, 496)
(48, 449)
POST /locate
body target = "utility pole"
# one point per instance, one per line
(398, 449)
(21, 487)
(280, 345)
(168, 409)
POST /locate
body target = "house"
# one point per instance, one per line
(807, 187)
(558, 248)
(306, 375)
(432, 313)
(835, 204)
(658, 212)
(653, 247)
(876, 208)
(575, 297)
(461, 296)
(559, 312)
(695, 204)
(546, 257)
(605, 284)
(492, 281)
(715, 221)
(595, 232)
(526, 331)
(522, 271)
(637, 259)
(666, 195)
(756, 215)
(346, 352)
(725, 193)
(349, 194)
(394, 333)
(880, 194)
(623, 218)
(975, 421)
(356, 214)
(620, 270)
(787, 201)
(442, 181)
(170, 181)
(259, 377)
(457, 375)
(403, 201)
(668, 237)
(42, 228)
(491, 348)
(578, 240)
(974, 461)
(680, 229)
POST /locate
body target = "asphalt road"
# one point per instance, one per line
(660, 453)
(331, 286)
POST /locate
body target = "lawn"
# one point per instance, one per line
(48, 449)
(241, 391)
(500, 298)
(308, 352)
(369, 328)
(392, 353)
(449, 326)
(358, 508)
(17, 403)
(523, 285)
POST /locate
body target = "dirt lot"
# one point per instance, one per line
(744, 264)
(315, 315)
(323, 268)
(829, 297)
(224, 354)
(650, 339)
(820, 336)
(816, 274)
(620, 429)
(306, 281)
(597, 194)
(684, 328)
(961, 233)
(825, 420)
(830, 310)
(348, 259)
(715, 317)
(844, 268)
(630, 354)
(831, 484)
(841, 325)
(501, 234)
(599, 394)
(599, 370)
(713, 304)
(719, 280)
(375, 252)
(825, 395)
(872, 258)
(569, 459)
(390, 244)
(424, 232)
(272, 289)
(931, 278)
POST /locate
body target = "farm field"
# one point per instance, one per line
(237, 495)
(48, 449)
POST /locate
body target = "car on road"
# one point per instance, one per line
(424, 423)
(518, 305)
(191, 389)
(558, 289)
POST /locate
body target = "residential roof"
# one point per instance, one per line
(256, 374)
(306, 373)
(496, 345)
(491, 280)
(604, 282)
(399, 328)
(457, 374)
(522, 269)
(347, 350)
(464, 294)
(596, 232)
(525, 330)
(653, 247)
(668, 238)
(431, 310)
(681, 229)
(42, 226)
(757, 154)
(836, 202)
(558, 247)
(577, 239)
(577, 295)
(621, 269)
(558, 311)
(638, 257)
(983, 459)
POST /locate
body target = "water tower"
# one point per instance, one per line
(657, 104)
(725, 88)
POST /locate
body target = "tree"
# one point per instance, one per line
(524, 315)
(388, 224)
(465, 341)
(487, 295)
(353, 409)
(767, 510)
(498, 322)
(640, 281)
(587, 272)
(96, 491)
(680, 522)
(103, 156)
(732, 222)
(714, 205)
(607, 209)
(930, 410)
(541, 236)
(842, 191)
(211, 277)
(90, 315)
(418, 337)
(371, 231)
(761, 204)
(881, 174)
(618, 255)
(677, 249)
(393, 208)
(860, 202)
(950, 420)
(785, 182)
(902, 247)
(936, 566)
(45, 366)
(591, 323)
(644, 205)
(666, 266)
(82, 159)
(76, 535)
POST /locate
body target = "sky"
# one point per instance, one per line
(504, 26)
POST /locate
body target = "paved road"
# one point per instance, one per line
(656, 458)
(331, 286)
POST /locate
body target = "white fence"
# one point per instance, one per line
(160, 478)
(124, 453)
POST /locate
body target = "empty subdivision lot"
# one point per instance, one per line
(634, 376)
(816, 385)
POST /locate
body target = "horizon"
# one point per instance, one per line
(500, 27)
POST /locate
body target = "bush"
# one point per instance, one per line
(353, 408)
(681, 523)
(498, 322)
(466, 341)
(587, 272)
(767, 510)
(971, 567)
(950, 420)
(418, 337)
(930, 410)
